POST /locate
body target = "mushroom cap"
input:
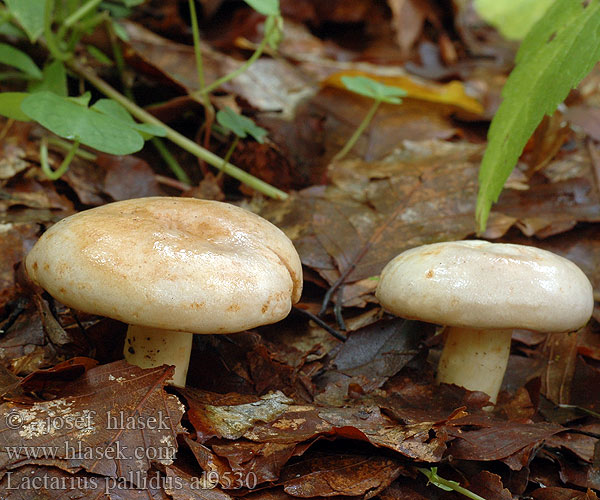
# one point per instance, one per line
(477, 284)
(175, 263)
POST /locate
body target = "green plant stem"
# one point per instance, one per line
(197, 48)
(119, 59)
(230, 76)
(176, 137)
(171, 161)
(209, 110)
(358, 132)
(82, 11)
(231, 149)
(51, 42)
(453, 485)
(66, 146)
(90, 24)
(64, 166)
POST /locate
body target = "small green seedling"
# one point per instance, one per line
(446, 484)
(241, 126)
(106, 125)
(379, 92)
(13, 57)
(272, 38)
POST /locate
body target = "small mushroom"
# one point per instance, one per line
(481, 291)
(169, 267)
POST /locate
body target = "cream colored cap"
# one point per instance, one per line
(175, 263)
(477, 284)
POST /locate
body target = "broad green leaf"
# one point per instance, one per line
(82, 100)
(265, 7)
(16, 59)
(560, 14)
(10, 105)
(54, 79)
(557, 53)
(114, 109)
(70, 120)
(375, 90)
(240, 125)
(513, 18)
(30, 15)
(11, 30)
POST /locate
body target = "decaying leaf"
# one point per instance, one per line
(104, 423)
(356, 476)
(424, 193)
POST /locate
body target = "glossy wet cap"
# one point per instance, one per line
(478, 284)
(174, 263)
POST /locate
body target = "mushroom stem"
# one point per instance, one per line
(149, 347)
(475, 359)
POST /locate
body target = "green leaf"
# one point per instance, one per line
(70, 120)
(54, 79)
(433, 478)
(513, 18)
(115, 10)
(240, 125)
(17, 59)
(368, 87)
(559, 51)
(10, 105)
(113, 109)
(132, 3)
(30, 15)
(82, 100)
(265, 7)
(11, 30)
(120, 31)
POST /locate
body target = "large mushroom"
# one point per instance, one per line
(169, 267)
(481, 291)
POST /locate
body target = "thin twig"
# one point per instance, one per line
(375, 237)
(322, 324)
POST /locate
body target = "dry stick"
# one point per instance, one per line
(321, 323)
(174, 136)
(375, 237)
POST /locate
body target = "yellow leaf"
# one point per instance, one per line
(451, 93)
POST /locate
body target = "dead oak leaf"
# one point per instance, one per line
(335, 475)
(424, 193)
(51, 483)
(301, 423)
(481, 437)
(116, 420)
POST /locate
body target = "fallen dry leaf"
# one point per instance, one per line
(487, 439)
(104, 422)
(335, 475)
(554, 493)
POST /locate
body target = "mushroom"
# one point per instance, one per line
(481, 291)
(169, 267)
